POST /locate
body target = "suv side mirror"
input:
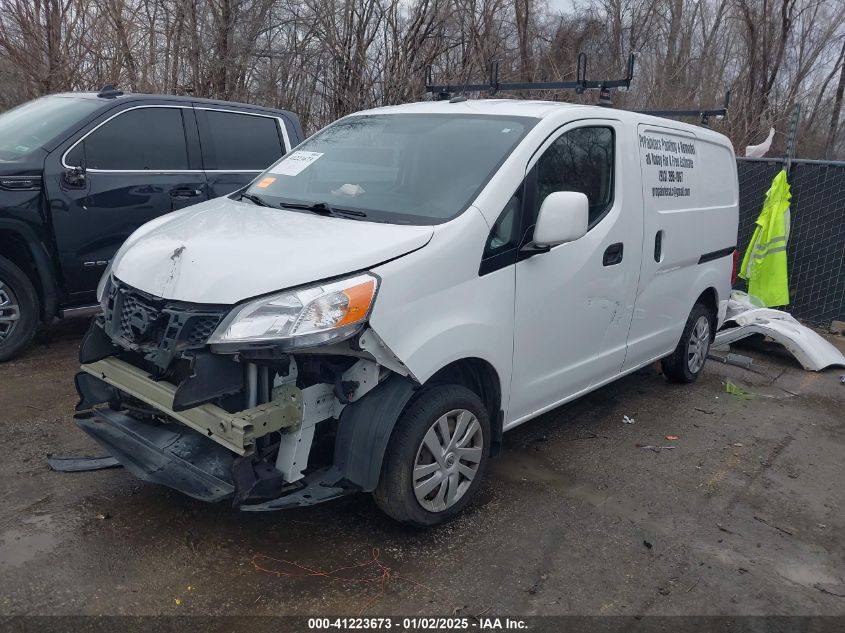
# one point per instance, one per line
(75, 176)
(563, 217)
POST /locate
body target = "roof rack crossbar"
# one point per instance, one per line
(704, 114)
(581, 84)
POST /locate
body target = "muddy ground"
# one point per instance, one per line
(744, 515)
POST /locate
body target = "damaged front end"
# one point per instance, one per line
(170, 390)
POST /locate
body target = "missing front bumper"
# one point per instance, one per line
(180, 458)
(235, 431)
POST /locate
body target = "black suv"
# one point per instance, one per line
(79, 172)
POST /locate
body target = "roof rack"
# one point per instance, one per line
(704, 114)
(580, 85)
(109, 92)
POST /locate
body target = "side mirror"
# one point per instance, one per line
(564, 217)
(75, 177)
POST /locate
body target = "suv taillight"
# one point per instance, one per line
(735, 266)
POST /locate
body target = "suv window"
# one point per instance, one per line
(143, 138)
(579, 160)
(240, 142)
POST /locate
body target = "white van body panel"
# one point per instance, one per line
(224, 251)
(690, 196)
(433, 308)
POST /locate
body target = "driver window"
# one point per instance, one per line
(136, 139)
(579, 160)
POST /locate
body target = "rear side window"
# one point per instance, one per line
(579, 160)
(239, 142)
(144, 138)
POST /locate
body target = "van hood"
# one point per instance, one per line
(224, 251)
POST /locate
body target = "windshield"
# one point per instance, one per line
(31, 125)
(399, 168)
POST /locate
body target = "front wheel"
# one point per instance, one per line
(687, 361)
(436, 457)
(18, 310)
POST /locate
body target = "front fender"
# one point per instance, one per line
(434, 308)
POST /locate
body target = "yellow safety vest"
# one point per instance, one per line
(764, 263)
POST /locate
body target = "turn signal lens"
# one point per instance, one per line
(359, 298)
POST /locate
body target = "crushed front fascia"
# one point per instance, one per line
(371, 343)
(235, 431)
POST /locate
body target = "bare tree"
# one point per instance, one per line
(326, 58)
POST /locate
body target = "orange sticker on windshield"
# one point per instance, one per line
(265, 182)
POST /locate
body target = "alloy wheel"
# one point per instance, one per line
(9, 311)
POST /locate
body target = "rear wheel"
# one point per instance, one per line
(18, 310)
(687, 361)
(436, 457)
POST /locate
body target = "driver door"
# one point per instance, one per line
(574, 303)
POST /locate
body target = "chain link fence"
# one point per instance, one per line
(816, 248)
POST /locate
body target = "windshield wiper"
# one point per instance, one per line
(324, 208)
(255, 199)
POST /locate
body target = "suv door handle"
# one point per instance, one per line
(613, 254)
(185, 193)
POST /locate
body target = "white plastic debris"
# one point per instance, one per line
(627, 420)
(809, 348)
(758, 151)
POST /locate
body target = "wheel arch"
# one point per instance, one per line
(20, 245)
(480, 377)
(709, 298)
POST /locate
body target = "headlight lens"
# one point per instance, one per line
(302, 318)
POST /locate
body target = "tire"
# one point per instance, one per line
(409, 447)
(687, 361)
(19, 310)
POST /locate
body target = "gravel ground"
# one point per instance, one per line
(742, 516)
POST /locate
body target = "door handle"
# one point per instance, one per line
(613, 254)
(185, 193)
(658, 246)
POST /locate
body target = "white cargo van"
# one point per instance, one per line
(378, 307)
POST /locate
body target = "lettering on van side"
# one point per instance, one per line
(671, 157)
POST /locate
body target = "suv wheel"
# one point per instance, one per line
(687, 361)
(18, 310)
(436, 457)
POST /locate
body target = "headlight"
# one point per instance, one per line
(302, 318)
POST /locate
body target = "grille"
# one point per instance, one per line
(134, 314)
(202, 328)
(159, 328)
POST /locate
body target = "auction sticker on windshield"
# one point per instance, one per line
(295, 163)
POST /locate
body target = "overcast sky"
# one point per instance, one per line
(561, 5)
